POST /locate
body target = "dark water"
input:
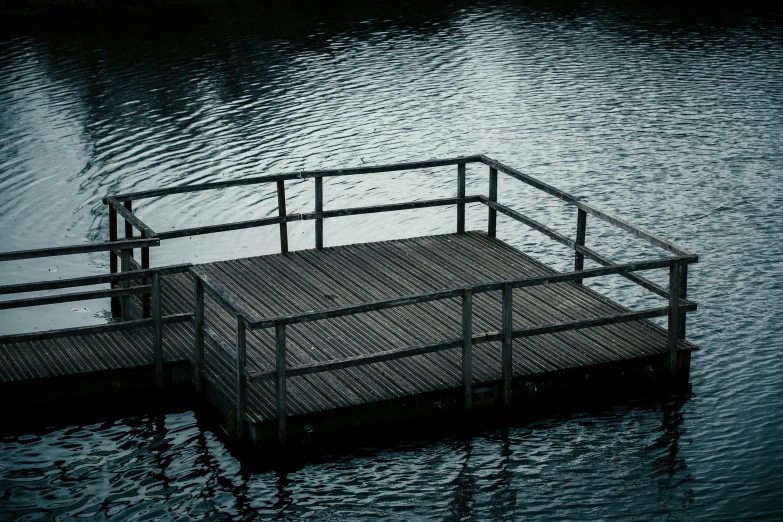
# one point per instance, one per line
(672, 119)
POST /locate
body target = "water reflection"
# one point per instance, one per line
(671, 118)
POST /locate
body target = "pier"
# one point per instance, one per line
(293, 345)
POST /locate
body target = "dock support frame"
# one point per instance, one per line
(676, 325)
(467, 347)
(506, 353)
(157, 330)
(280, 357)
(198, 316)
(241, 379)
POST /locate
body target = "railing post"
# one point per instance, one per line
(280, 364)
(145, 263)
(581, 228)
(467, 346)
(241, 380)
(282, 214)
(493, 196)
(115, 301)
(506, 355)
(128, 226)
(460, 194)
(319, 207)
(157, 330)
(125, 267)
(198, 356)
(683, 295)
(674, 313)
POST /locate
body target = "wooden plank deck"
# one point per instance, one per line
(278, 285)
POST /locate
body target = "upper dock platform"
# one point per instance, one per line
(348, 332)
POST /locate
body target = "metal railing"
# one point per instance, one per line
(246, 320)
(122, 249)
(156, 321)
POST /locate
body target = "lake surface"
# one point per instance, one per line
(671, 119)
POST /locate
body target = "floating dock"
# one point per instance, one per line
(296, 345)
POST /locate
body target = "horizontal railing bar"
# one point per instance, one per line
(595, 256)
(91, 280)
(454, 292)
(223, 295)
(637, 231)
(217, 343)
(514, 173)
(212, 229)
(390, 208)
(358, 360)
(590, 209)
(595, 322)
(79, 249)
(390, 355)
(101, 328)
(76, 296)
(370, 169)
(182, 189)
(131, 218)
(639, 280)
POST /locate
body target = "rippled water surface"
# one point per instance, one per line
(672, 119)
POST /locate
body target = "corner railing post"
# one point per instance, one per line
(674, 313)
(145, 264)
(198, 356)
(467, 346)
(493, 197)
(281, 212)
(581, 228)
(506, 355)
(461, 194)
(125, 255)
(157, 330)
(281, 391)
(241, 380)
(319, 207)
(115, 301)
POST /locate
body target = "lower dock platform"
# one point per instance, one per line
(377, 393)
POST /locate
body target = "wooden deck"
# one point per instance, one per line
(354, 331)
(280, 285)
